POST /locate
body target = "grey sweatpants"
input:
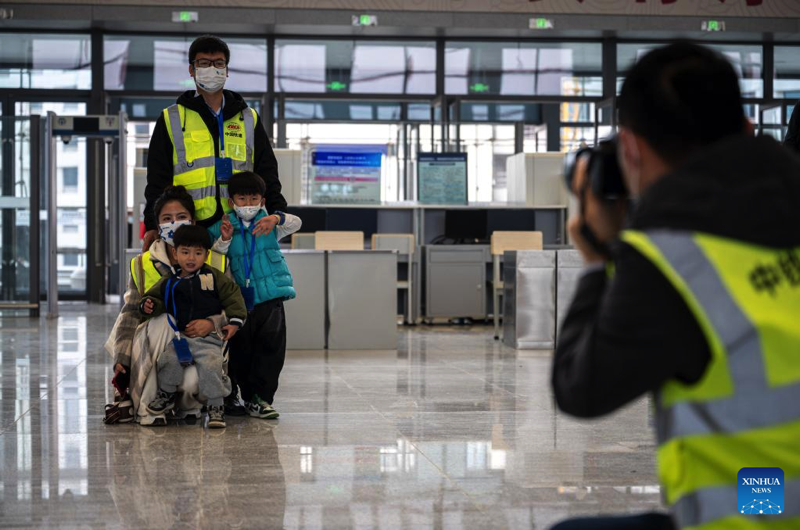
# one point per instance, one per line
(207, 353)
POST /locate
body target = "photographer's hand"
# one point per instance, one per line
(603, 218)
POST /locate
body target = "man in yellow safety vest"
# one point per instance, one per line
(205, 137)
(697, 300)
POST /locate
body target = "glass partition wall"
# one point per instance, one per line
(399, 97)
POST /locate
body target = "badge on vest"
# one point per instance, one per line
(223, 168)
(760, 491)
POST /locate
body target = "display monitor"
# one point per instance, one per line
(511, 220)
(313, 218)
(346, 174)
(466, 226)
(353, 219)
(442, 178)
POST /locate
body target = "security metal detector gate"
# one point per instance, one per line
(111, 129)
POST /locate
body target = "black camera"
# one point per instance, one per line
(603, 171)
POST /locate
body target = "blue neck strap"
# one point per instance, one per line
(170, 293)
(221, 134)
(249, 257)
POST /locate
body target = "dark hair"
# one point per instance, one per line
(208, 44)
(192, 236)
(246, 183)
(681, 98)
(174, 193)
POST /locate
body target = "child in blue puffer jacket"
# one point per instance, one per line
(258, 350)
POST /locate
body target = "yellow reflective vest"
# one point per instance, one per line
(145, 275)
(745, 410)
(194, 155)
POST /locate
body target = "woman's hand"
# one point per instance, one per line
(149, 237)
(148, 307)
(199, 328)
(230, 330)
(118, 369)
(265, 225)
(226, 230)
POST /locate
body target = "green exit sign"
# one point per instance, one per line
(365, 20)
(713, 25)
(337, 86)
(541, 23)
(479, 88)
(185, 16)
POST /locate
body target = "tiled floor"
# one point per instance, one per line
(452, 430)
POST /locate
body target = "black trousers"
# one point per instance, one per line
(258, 351)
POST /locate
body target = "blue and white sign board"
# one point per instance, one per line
(346, 176)
(442, 178)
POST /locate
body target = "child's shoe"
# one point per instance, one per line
(258, 408)
(216, 417)
(164, 402)
(233, 407)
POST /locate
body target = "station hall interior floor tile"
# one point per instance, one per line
(451, 430)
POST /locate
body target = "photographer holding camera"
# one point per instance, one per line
(698, 299)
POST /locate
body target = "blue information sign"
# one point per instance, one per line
(342, 177)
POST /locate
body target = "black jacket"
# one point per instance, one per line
(627, 336)
(159, 156)
(203, 294)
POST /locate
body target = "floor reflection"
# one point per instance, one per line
(451, 431)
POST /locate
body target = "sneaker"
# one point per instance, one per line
(234, 407)
(258, 408)
(216, 417)
(119, 412)
(164, 402)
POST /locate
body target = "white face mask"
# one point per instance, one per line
(167, 230)
(246, 213)
(210, 79)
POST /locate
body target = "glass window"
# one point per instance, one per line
(162, 63)
(488, 146)
(419, 112)
(71, 209)
(151, 108)
(787, 72)
(45, 61)
(496, 112)
(356, 67)
(342, 111)
(71, 146)
(577, 112)
(70, 177)
(746, 60)
(70, 260)
(523, 69)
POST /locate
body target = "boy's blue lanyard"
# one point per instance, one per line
(174, 307)
(248, 257)
(221, 134)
